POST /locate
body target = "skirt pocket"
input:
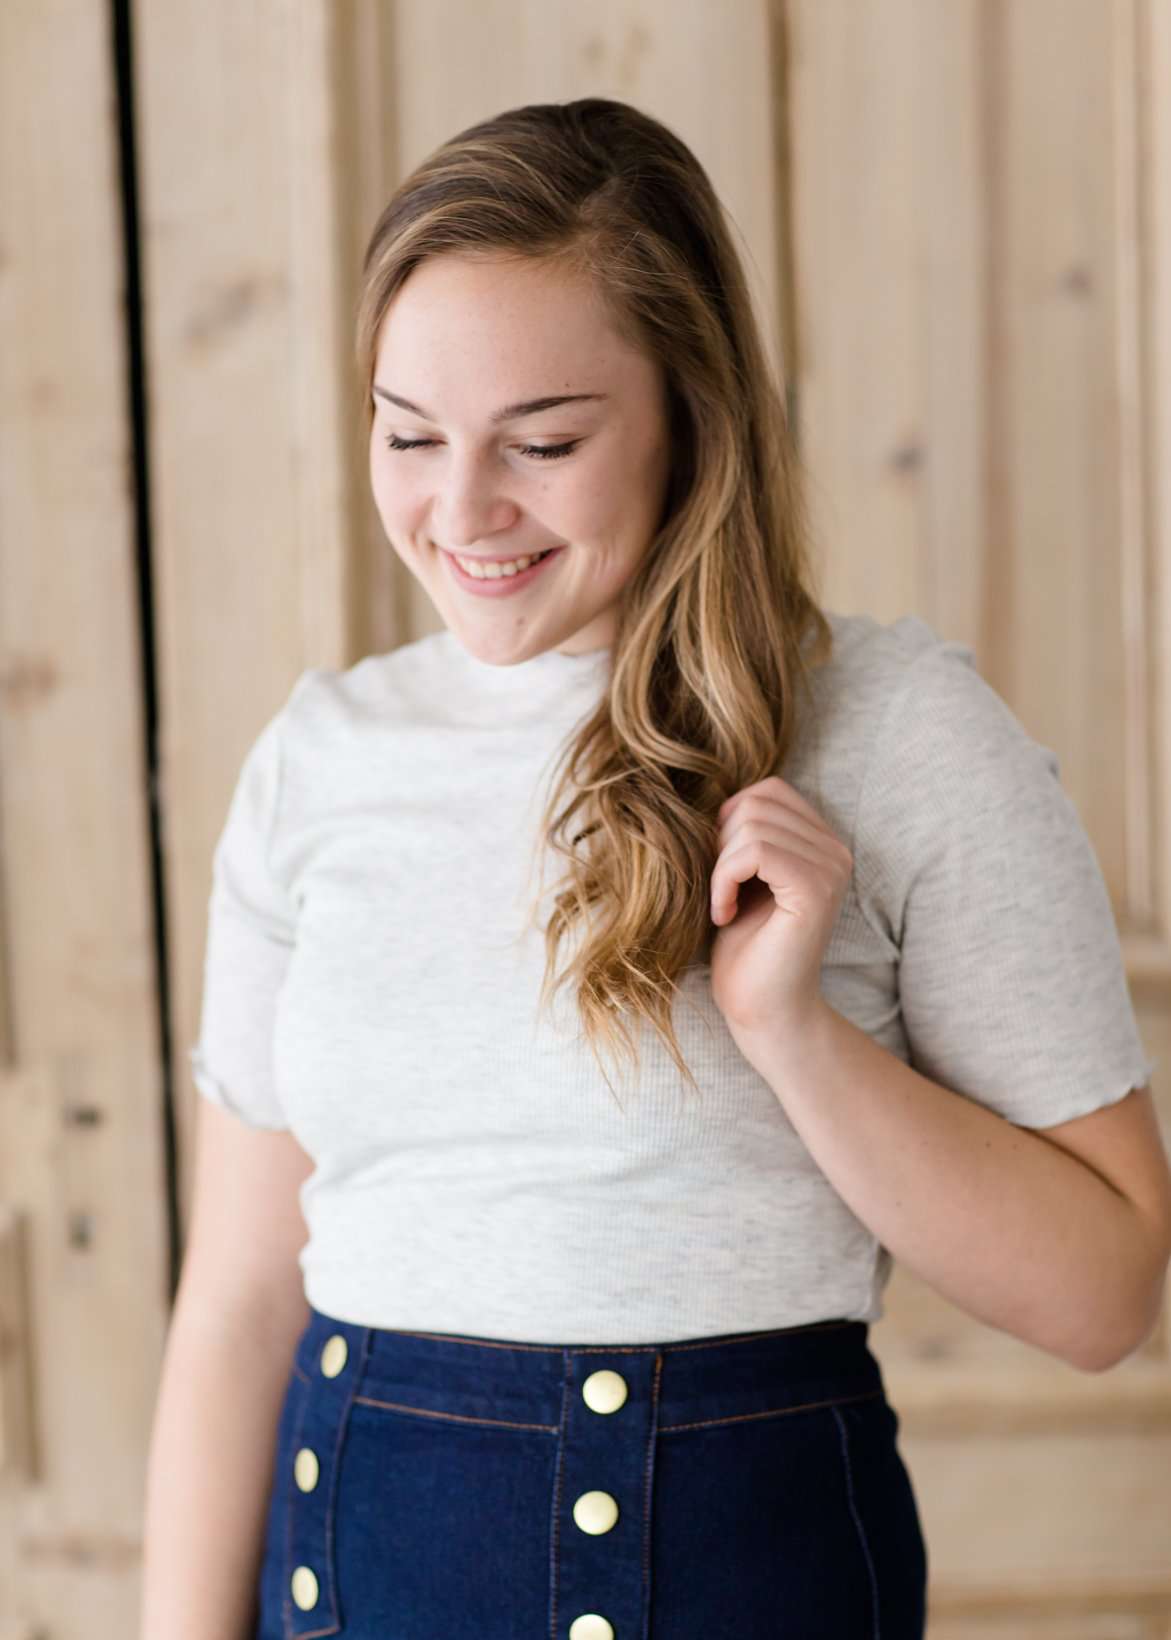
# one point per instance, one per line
(442, 1524)
(885, 1513)
(753, 1531)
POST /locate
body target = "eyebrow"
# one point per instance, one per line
(507, 412)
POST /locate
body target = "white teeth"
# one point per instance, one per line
(492, 572)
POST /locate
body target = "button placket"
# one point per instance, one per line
(621, 1456)
(311, 1604)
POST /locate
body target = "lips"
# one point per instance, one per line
(500, 586)
(503, 557)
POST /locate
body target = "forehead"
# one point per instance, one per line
(463, 326)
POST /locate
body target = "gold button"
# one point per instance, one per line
(604, 1391)
(595, 1512)
(589, 1626)
(333, 1356)
(304, 1587)
(306, 1469)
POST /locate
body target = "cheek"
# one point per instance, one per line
(392, 496)
(614, 503)
(587, 509)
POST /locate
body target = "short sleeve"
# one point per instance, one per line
(970, 853)
(250, 936)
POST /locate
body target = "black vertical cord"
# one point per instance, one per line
(139, 478)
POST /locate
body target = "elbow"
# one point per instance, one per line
(1112, 1348)
(1103, 1361)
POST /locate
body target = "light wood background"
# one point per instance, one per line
(957, 223)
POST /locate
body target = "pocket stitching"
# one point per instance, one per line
(861, 1530)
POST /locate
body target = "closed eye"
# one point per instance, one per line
(546, 452)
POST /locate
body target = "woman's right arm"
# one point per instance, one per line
(239, 1310)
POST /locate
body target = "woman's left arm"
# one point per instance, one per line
(1061, 1237)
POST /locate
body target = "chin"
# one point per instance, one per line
(503, 653)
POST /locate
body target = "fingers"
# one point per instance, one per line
(772, 817)
(753, 806)
(761, 825)
(788, 842)
(775, 790)
(771, 857)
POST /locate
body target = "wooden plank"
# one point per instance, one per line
(969, 1401)
(886, 126)
(17, 1414)
(1153, 61)
(1056, 1521)
(1066, 417)
(242, 125)
(82, 1158)
(1076, 1624)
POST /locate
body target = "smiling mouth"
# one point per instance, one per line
(499, 569)
(487, 578)
(500, 557)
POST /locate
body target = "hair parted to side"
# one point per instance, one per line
(711, 662)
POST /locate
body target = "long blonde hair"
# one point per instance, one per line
(711, 661)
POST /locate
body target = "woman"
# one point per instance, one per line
(573, 1359)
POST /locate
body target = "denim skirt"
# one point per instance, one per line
(429, 1486)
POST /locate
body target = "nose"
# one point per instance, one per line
(469, 504)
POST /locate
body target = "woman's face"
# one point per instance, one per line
(463, 341)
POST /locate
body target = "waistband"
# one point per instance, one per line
(696, 1380)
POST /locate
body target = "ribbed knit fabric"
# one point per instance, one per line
(367, 985)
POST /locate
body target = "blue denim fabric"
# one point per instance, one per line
(759, 1488)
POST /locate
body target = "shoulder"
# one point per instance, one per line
(873, 661)
(341, 730)
(901, 695)
(895, 679)
(330, 703)
(945, 729)
(909, 745)
(953, 784)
